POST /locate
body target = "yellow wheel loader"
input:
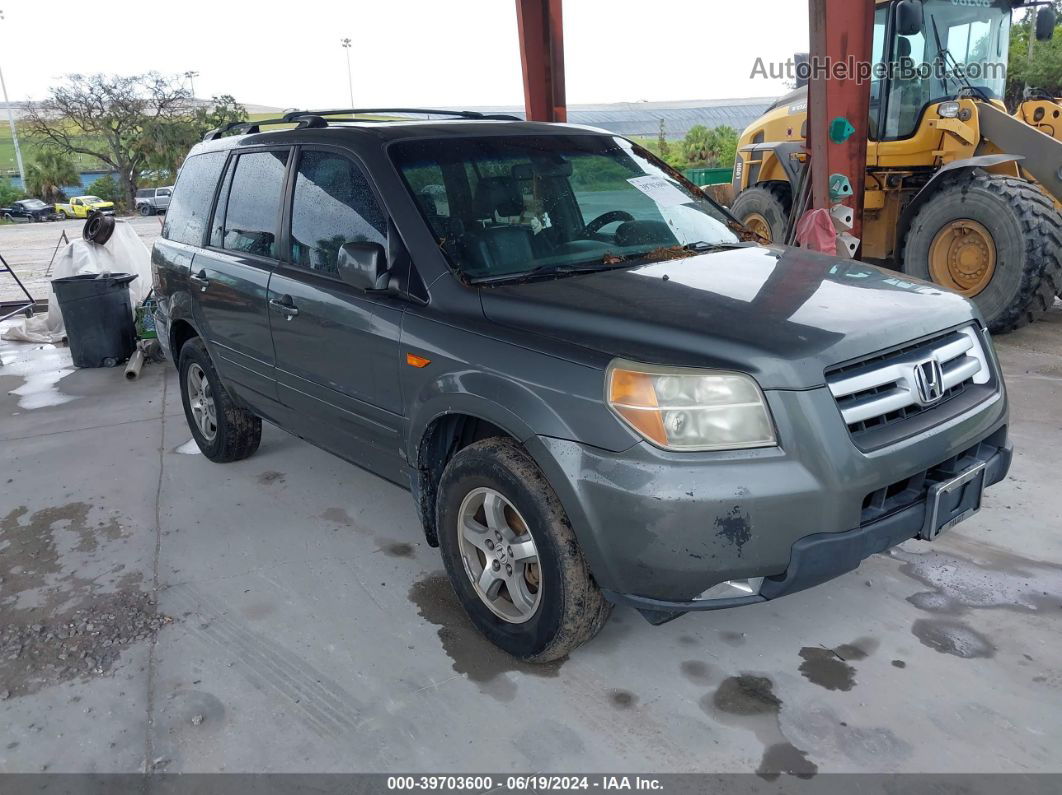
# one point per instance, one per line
(958, 191)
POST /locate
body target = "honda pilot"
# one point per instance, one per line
(596, 391)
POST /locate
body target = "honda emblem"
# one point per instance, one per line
(929, 380)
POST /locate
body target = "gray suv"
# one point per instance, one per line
(595, 390)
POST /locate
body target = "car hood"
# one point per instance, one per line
(783, 315)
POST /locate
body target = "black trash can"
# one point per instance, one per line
(98, 316)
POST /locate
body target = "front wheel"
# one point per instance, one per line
(512, 556)
(223, 430)
(764, 210)
(145, 210)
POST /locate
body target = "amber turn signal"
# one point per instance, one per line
(633, 397)
(416, 361)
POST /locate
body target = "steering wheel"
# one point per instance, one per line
(607, 218)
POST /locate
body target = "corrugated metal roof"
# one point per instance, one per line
(643, 118)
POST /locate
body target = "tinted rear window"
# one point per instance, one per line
(253, 212)
(189, 209)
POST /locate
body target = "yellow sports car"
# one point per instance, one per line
(81, 206)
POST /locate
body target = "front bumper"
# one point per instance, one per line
(659, 529)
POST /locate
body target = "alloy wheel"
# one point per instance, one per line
(499, 555)
(201, 401)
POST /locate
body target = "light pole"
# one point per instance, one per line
(191, 82)
(350, 76)
(11, 121)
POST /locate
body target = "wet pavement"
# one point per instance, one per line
(283, 613)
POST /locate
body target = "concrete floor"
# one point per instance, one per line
(303, 625)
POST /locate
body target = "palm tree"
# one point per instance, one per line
(48, 173)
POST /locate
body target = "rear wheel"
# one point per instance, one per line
(223, 430)
(996, 240)
(62, 215)
(145, 210)
(764, 209)
(511, 555)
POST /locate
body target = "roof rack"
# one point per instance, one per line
(310, 120)
(459, 114)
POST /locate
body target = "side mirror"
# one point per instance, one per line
(363, 265)
(909, 17)
(1046, 19)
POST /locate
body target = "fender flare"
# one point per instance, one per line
(934, 184)
(782, 151)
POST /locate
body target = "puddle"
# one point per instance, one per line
(41, 367)
(188, 448)
(991, 579)
(829, 668)
(952, 637)
(749, 702)
(471, 654)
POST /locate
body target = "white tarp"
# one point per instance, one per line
(125, 252)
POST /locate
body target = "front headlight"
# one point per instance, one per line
(681, 408)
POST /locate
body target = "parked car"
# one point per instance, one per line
(30, 209)
(81, 206)
(152, 201)
(596, 392)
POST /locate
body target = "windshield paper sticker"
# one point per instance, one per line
(664, 193)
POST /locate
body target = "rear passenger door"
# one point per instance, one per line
(336, 346)
(230, 276)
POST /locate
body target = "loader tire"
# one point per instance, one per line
(764, 209)
(995, 239)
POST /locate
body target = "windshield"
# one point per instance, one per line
(33, 204)
(91, 199)
(519, 204)
(967, 37)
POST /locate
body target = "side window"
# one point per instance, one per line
(332, 205)
(253, 209)
(163, 192)
(186, 217)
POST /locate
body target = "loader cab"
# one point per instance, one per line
(931, 51)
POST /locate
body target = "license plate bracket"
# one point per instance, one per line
(952, 501)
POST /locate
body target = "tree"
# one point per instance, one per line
(715, 147)
(1044, 72)
(108, 189)
(108, 117)
(166, 141)
(9, 193)
(47, 174)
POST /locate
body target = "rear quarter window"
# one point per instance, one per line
(189, 210)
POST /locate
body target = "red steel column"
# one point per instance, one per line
(841, 35)
(542, 56)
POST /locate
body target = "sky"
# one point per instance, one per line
(405, 52)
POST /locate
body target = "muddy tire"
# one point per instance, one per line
(764, 209)
(223, 430)
(494, 509)
(1023, 231)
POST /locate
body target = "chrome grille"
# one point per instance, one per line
(884, 389)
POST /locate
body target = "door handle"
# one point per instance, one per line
(200, 279)
(284, 306)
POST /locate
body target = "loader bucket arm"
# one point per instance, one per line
(1042, 153)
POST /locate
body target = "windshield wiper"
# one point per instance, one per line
(957, 72)
(549, 270)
